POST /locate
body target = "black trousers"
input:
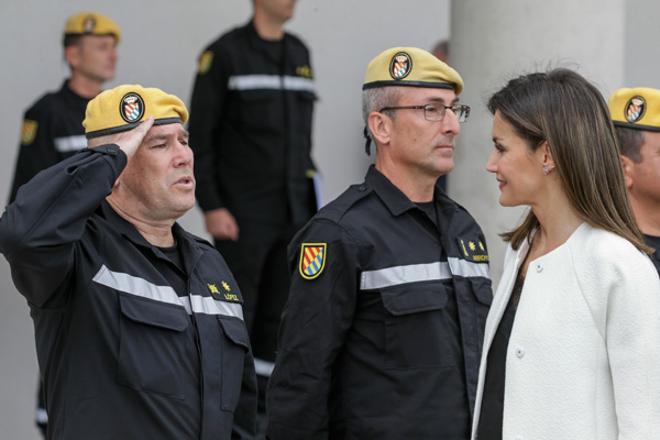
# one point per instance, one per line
(258, 261)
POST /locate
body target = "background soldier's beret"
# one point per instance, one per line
(122, 108)
(636, 108)
(410, 66)
(91, 23)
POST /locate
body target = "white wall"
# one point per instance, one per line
(642, 54)
(160, 44)
(496, 41)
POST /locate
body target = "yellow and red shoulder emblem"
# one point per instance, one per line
(28, 131)
(312, 259)
(204, 62)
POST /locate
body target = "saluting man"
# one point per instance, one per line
(52, 128)
(636, 115)
(138, 324)
(382, 333)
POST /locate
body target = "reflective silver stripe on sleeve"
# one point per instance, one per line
(393, 276)
(297, 83)
(270, 82)
(468, 269)
(414, 273)
(140, 287)
(67, 144)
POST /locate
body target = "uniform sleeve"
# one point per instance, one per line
(36, 151)
(245, 415)
(633, 347)
(207, 109)
(39, 230)
(314, 325)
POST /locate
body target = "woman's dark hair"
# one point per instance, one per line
(563, 109)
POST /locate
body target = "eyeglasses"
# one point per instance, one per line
(436, 112)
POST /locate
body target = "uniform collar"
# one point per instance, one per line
(70, 94)
(188, 245)
(395, 200)
(262, 45)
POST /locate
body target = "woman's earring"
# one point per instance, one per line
(547, 169)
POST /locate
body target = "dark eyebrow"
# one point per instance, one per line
(442, 101)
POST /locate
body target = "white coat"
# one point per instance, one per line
(583, 360)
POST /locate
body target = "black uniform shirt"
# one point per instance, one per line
(52, 131)
(371, 344)
(251, 127)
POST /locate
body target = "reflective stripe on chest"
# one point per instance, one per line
(270, 82)
(413, 273)
(192, 303)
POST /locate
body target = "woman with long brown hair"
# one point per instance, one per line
(572, 341)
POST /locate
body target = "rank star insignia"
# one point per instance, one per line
(312, 259)
(213, 289)
(473, 250)
(225, 285)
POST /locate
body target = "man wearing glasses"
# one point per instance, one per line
(382, 333)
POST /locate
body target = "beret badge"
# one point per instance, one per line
(131, 107)
(635, 109)
(400, 66)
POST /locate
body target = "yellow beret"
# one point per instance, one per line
(122, 109)
(410, 66)
(636, 108)
(91, 23)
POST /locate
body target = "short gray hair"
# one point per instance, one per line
(375, 99)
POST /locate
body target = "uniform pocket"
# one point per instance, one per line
(261, 110)
(419, 328)
(233, 360)
(152, 341)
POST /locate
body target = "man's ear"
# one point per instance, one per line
(380, 126)
(72, 55)
(627, 166)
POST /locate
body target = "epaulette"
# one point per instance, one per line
(335, 210)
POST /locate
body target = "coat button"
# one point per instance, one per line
(520, 353)
(539, 268)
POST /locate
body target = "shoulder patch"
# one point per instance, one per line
(28, 131)
(204, 62)
(312, 259)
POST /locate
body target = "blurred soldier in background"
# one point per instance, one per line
(251, 128)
